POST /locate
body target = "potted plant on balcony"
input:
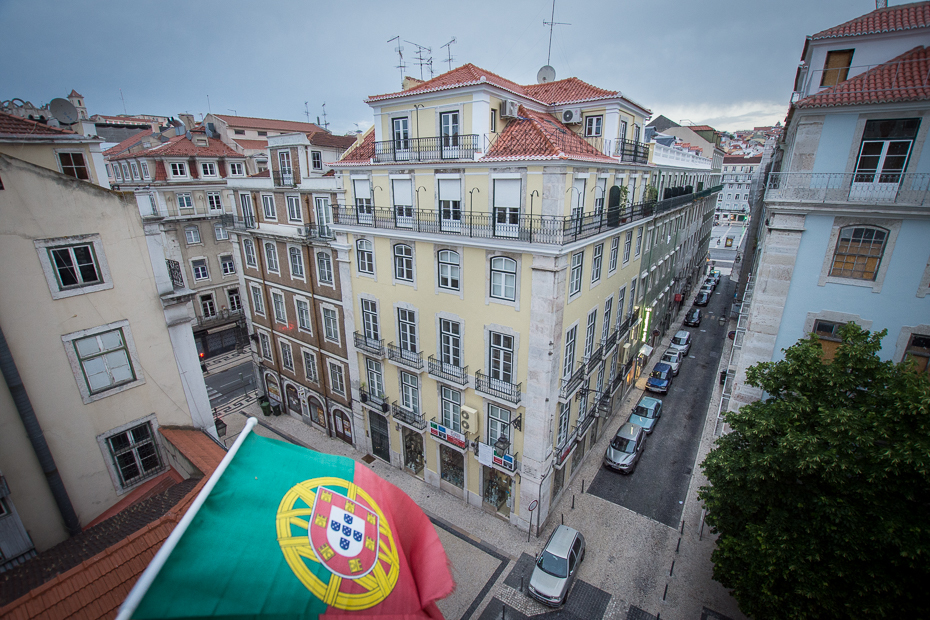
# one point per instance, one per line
(363, 392)
(385, 406)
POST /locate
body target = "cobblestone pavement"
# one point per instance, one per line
(635, 568)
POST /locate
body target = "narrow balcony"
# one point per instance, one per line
(285, 178)
(449, 372)
(219, 318)
(632, 151)
(594, 360)
(413, 359)
(458, 147)
(234, 222)
(408, 417)
(496, 387)
(571, 383)
(375, 401)
(177, 276)
(863, 186)
(609, 342)
(369, 345)
(318, 232)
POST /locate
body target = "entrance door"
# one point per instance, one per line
(380, 441)
(343, 426)
(878, 173)
(293, 399)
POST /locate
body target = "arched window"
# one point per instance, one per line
(449, 269)
(504, 278)
(858, 252)
(364, 256)
(403, 262)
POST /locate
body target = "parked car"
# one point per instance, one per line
(646, 413)
(707, 288)
(673, 358)
(702, 299)
(715, 274)
(711, 282)
(660, 379)
(693, 318)
(681, 341)
(556, 566)
(625, 448)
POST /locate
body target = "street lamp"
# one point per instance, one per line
(502, 444)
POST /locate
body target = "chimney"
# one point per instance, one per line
(881, 4)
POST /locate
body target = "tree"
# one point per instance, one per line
(820, 495)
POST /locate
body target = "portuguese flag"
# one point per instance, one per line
(281, 531)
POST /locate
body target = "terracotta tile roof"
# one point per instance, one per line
(75, 93)
(256, 145)
(16, 126)
(905, 78)
(568, 90)
(127, 143)
(465, 75)
(362, 152)
(322, 138)
(249, 122)
(540, 136)
(701, 128)
(264, 174)
(96, 587)
(180, 146)
(890, 19)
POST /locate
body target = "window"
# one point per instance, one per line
(883, 154)
(592, 126)
(504, 278)
(375, 377)
(208, 168)
(450, 336)
(214, 202)
(507, 207)
(296, 259)
(310, 366)
(263, 133)
(401, 134)
(268, 207)
(185, 201)
(568, 361)
(330, 324)
(284, 165)
(363, 205)
(493, 121)
(836, 67)
(228, 264)
(324, 265)
(178, 169)
(501, 358)
(134, 454)
(410, 391)
(219, 232)
(248, 248)
(317, 158)
(589, 334)
(596, 262)
(370, 320)
(324, 216)
(104, 359)
(407, 330)
(829, 334)
(303, 314)
(125, 168)
(918, 351)
(271, 257)
(574, 280)
(614, 252)
(564, 412)
(608, 308)
(293, 209)
(235, 303)
(135, 170)
(73, 165)
(245, 200)
(450, 204)
(627, 243)
(858, 252)
(449, 129)
(72, 266)
(403, 202)
(258, 305)
(280, 312)
(622, 131)
(239, 132)
(364, 257)
(145, 170)
(265, 342)
(337, 380)
(236, 169)
(498, 424)
(199, 267)
(207, 306)
(117, 172)
(403, 263)
(451, 409)
(287, 357)
(449, 270)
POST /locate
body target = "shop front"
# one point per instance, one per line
(317, 413)
(451, 470)
(292, 397)
(497, 491)
(342, 425)
(272, 389)
(380, 437)
(413, 452)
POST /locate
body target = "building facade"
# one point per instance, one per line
(738, 175)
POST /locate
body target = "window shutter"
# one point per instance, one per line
(451, 189)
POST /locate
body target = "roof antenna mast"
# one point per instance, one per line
(307, 110)
(448, 47)
(421, 60)
(552, 23)
(400, 56)
(325, 122)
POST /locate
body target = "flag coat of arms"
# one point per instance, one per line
(281, 531)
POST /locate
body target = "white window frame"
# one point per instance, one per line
(371, 327)
(293, 209)
(264, 346)
(302, 311)
(248, 250)
(279, 307)
(145, 170)
(258, 299)
(236, 169)
(409, 391)
(208, 168)
(450, 407)
(449, 273)
(330, 323)
(185, 201)
(316, 159)
(45, 247)
(324, 268)
(207, 306)
(70, 340)
(597, 262)
(109, 453)
(215, 202)
(501, 279)
(404, 263)
(227, 264)
(568, 357)
(196, 266)
(271, 257)
(575, 274)
(337, 380)
(310, 370)
(593, 126)
(287, 355)
(269, 209)
(365, 257)
(219, 232)
(614, 254)
(178, 169)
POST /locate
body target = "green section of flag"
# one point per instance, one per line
(229, 563)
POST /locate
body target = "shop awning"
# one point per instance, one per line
(646, 351)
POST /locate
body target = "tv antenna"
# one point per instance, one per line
(123, 100)
(421, 59)
(325, 122)
(552, 23)
(307, 110)
(400, 58)
(448, 47)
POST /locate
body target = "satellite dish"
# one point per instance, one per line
(546, 74)
(63, 111)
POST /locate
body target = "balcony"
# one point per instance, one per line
(234, 222)
(375, 401)
(409, 418)
(219, 318)
(496, 387)
(609, 342)
(570, 384)
(631, 151)
(463, 146)
(412, 359)
(285, 178)
(453, 374)
(594, 360)
(369, 345)
(318, 232)
(174, 270)
(868, 187)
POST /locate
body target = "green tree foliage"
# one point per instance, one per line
(821, 492)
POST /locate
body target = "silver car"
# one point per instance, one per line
(681, 341)
(673, 358)
(556, 566)
(625, 448)
(646, 413)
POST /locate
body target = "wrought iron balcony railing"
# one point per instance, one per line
(449, 372)
(410, 418)
(317, 231)
(872, 187)
(234, 222)
(369, 345)
(462, 146)
(174, 270)
(285, 178)
(219, 318)
(609, 342)
(571, 383)
(413, 359)
(593, 360)
(375, 401)
(631, 151)
(505, 390)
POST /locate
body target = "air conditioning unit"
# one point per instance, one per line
(509, 109)
(572, 116)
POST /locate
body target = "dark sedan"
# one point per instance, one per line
(693, 318)
(702, 299)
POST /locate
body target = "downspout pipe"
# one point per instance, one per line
(28, 415)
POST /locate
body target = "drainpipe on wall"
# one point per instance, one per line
(28, 415)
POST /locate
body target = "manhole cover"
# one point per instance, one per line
(368, 459)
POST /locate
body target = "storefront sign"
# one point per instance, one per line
(447, 434)
(487, 455)
(274, 392)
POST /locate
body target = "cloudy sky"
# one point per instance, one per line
(726, 63)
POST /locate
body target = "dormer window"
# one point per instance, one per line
(236, 169)
(239, 132)
(201, 142)
(593, 125)
(263, 133)
(836, 67)
(209, 169)
(178, 169)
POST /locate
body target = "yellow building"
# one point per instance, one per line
(490, 249)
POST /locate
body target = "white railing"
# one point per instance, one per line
(834, 187)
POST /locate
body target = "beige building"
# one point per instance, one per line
(97, 351)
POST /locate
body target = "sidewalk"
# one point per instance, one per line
(637, 567)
